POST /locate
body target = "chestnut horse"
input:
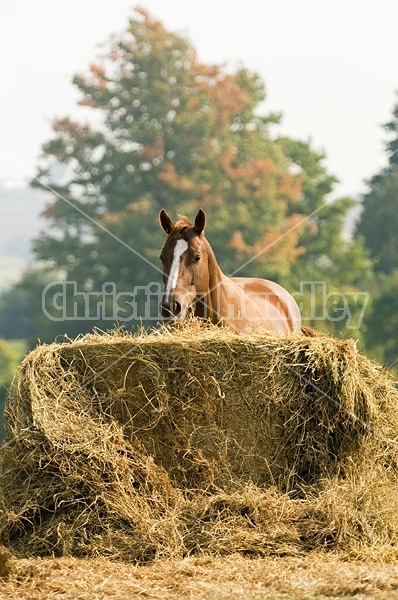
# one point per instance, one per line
(195, 284)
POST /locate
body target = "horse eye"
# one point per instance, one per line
(197, 258)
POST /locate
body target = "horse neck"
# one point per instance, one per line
(216, 278)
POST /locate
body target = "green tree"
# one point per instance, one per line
(175, 133)
(171, 132)
(8, 360)
(378, 223)
(381, 322)
(28, 313)
(10, 356)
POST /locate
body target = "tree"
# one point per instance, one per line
(28, 313)
(378, 223)
(9, 359)
(171, 132)
(176, 134)
(381, 323)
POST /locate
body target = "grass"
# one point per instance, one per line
(315, 577)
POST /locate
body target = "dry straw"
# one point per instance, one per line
(195, 440)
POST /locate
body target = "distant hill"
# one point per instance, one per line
(20, 222)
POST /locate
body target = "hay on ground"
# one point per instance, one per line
(197, 440)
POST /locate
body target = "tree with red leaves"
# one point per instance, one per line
(168, 131)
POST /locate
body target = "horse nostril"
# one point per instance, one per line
(170, 309)
(166, 309)
(176, 308)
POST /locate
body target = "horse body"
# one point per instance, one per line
(271, 306)
(195, 283)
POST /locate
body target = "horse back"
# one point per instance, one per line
(272, 300)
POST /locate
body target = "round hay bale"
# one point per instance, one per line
(197, 440)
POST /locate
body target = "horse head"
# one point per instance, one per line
(185, 268)
(193, 282)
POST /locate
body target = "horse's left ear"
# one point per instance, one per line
(200, 221)
(165, 221)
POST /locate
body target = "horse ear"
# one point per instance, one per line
(200, 221)
(165, 221)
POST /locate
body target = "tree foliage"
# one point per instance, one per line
(168, 131)
(381, 322)
(378, 225)
(10, 356)
(379, 220)
(22, 314)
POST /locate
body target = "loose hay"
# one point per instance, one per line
(197, 440)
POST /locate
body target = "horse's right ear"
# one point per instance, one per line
(165, 221)
(200, 221)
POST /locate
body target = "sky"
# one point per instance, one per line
(330, 67)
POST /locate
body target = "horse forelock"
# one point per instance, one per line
(180, 226)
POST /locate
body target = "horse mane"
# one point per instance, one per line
(178, 227)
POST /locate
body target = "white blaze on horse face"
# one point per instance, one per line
(180, 247)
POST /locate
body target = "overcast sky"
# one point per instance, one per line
(329, 66)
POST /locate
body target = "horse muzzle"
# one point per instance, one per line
(177, 307)
(171, 310)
